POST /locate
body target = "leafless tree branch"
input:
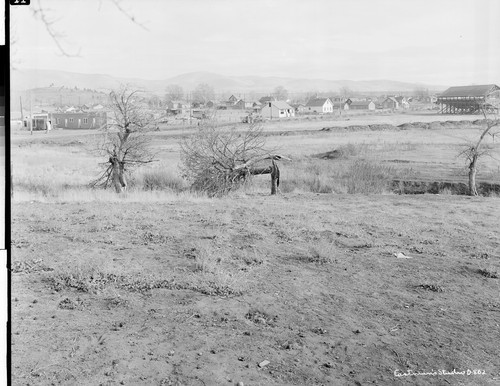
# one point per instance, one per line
(473, 151)
(217, 161)
(40, 12)
(125, 141)
(128, 15)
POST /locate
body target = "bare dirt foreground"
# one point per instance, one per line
(200, 292)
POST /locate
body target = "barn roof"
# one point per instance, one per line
(316, 102)
(360, 103)
(469, 91)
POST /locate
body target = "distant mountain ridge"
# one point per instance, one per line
(24, 79)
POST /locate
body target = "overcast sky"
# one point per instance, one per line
(430, 41)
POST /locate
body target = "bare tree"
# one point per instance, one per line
(345, 92)
(173, 92)
(154, 102)
(203, 93)
(474, 151)
(218, 161)
(310, 95)
(125, 141)
(280, 93)
(421, 93)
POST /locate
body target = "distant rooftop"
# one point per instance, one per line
(316, 102)
(360, 103)
(469, 91)
(281, 105)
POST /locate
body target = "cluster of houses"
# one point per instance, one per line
(464, 100)
(271, 108)
(96, 116)
(329, 105)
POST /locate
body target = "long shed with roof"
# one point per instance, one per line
(362, 105)
(469, 99)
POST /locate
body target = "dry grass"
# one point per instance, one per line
(98, 195)
(157, 178)
(163, 285)
(56, 168)
(322, 252)
(351, 176)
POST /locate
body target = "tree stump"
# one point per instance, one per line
(275, 178)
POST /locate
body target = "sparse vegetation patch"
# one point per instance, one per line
(261, 317)
(34, 265)
(89, 280)
(431, 287)
(488, 273)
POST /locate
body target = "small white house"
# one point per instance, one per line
(276, 110)
(319, 105)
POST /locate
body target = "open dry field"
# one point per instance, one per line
(61, 163)
(315, 286)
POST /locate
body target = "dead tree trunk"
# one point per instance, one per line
(274, 171)
(472, 174)
(275, 178)
(118, 176)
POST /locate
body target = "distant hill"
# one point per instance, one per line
(51, 96)
(24, 79)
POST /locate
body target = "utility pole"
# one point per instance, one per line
(21, 103)
(31, 115)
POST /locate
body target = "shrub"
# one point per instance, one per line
(217, 161)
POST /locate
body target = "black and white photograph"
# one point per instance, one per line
(265, 192)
